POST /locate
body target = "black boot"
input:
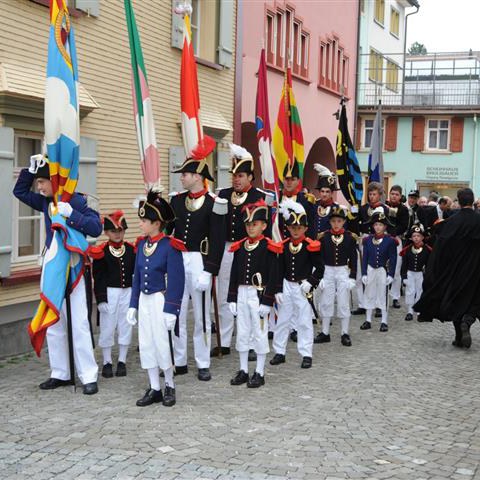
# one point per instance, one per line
(121, 370)
(151, 396)
(359, 311)
(270, 335)
(256, 381)
(204, 374)
(90, 388)
(457, 342)
(306, 362)
(252, 356)
(277, 359)
(179, 370)
(216, 351)
(383, 327)
(293, 336)
(465, 324)
(169, 399)
(378, 313)
(408, 317)
(322, 338)
(366, 325)
(346, 341)
(107, 371)
(395, 303)
(53, 383)
(240, 378)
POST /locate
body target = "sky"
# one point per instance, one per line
(445, 25)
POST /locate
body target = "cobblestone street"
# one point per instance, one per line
(400, 405)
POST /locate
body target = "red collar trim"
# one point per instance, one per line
(115, 244)
(337, 232)
(421, 244)
(379, 236)
(328, 203)
(245, 190)
(156, 238)
(256, 239)
(394, 205)
(197, 194)
(375, 205)
(294, 192)
(298, 240)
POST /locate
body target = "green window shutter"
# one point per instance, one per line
(224, 177)
(90, 7)
(176, 157)
(87, 175)
(177, 28)
(6, 186)
(225, 34)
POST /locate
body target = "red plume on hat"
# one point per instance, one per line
(115, 220)
(252, 206)
(203, 148)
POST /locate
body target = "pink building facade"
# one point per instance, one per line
(320, 38)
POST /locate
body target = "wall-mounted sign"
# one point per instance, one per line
(441, 173)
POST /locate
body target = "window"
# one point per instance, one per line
(287, 41)
(438, 133)
(379, 13)
(28, 230)
(362, 6)
(368, 132)
(375, 71)
(204, 23)
(394, 22)
(392, 76)
(333, 66)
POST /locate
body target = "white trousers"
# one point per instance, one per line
(413, 288)
(375, 290)
(193, 264)
(335, 281)
(397, 279)
(152, 333)
(250, 333)
(227, 321)
(116, 318)
(360, 287)
(295, 305)
(57, 340)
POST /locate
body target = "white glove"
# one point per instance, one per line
(306, 286)
(35, 161)
(364, 279)
(132, 316)
(170, 320)
(203, 281)
(233, 308)
(321, 284)
(389, 280)
(279, 298)
(351, 283)
(64, 209)
(264, 310)
(103, 308)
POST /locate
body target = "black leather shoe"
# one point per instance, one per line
(383, 327)
(396, 304)
(255, 381)
(270, 335)
(240, 378)
(408, 317)
(294, 336)
(252, 356)
(306, 362)
(169, 399)
(378, 313)
(204, 374)
(216, 351)
(213, 328)
(107, 371)
(181, 370)
(346, 341)
(366, 325)
(322, 338)
(121, 370)
(151, 396)
(314, 321)
(466, 340)
(90, 388)
(359, 311)
(457, 342)
(277, 359)
(53, 383)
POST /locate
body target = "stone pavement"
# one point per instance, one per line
(400, 405)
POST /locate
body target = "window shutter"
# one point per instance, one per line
(87, 176)
(456, 134)
(224, 177)
(177, 28)
(358, 136)
(391, 134)
(418, 134)
(176, 157)
(90, 7)
(225, 41)
(6, 180)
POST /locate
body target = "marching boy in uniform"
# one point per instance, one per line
(339, 254)
(251, 293)
(300, 269)
(415, 257)
(113, 264)
(157, 292)
(378, 268)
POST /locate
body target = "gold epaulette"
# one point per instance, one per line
(355, 236)
(320, 235)
(311, 198)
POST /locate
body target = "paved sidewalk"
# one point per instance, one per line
(401, 405)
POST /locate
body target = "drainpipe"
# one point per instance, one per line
(415, 4)
(474, 167)
(355, 110)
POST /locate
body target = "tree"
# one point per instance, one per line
(417, 49)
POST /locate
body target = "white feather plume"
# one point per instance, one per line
(138, 199)
(287, 205)
(377, 210)
(322, 170)
(238, 151)
(183, 8)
